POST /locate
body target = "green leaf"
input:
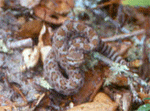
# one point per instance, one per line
(145, 107)
(146, 99)
(143, 3)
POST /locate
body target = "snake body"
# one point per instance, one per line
(62, 65)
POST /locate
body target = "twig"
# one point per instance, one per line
(131, 77)
(20, 43)
(134, 92)
(15, 88)
(123, 36)
(123, 70)
(104, 4)
(102, 14)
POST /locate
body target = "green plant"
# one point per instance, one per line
(145, 107)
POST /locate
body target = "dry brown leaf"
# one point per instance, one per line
(121, 48)
(93, 82)
(5, 108)
(136, 63)
(41, 43)
(2, 59)
(59, 6)
(30, 29)
(119, 81)
(40, 40)
(122, 97)
(93, 106)
(5, 104)
(144, 95)
(101, 103)
(1, 3)
(21, 20)
(47, 37)
(49, 15)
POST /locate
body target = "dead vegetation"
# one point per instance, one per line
(26, 33)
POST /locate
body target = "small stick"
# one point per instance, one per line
(134, 92)
(123, 36)
(102, 14)
(104, 4)
(129, 75)
(20, 43)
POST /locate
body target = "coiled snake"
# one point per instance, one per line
(70, 42)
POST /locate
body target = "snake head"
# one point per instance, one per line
(75, 58)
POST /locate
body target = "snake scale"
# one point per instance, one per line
(70, 42)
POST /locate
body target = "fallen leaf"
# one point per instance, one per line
(59, 6)
(30, 29)
(5, 104)
(143, 95)
(1, 3)
(49, 15)
(93, 82)
(101, 103)
(31, 57)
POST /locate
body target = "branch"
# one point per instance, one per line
(123, 36)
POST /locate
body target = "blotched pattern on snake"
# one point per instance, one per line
(70, 42)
